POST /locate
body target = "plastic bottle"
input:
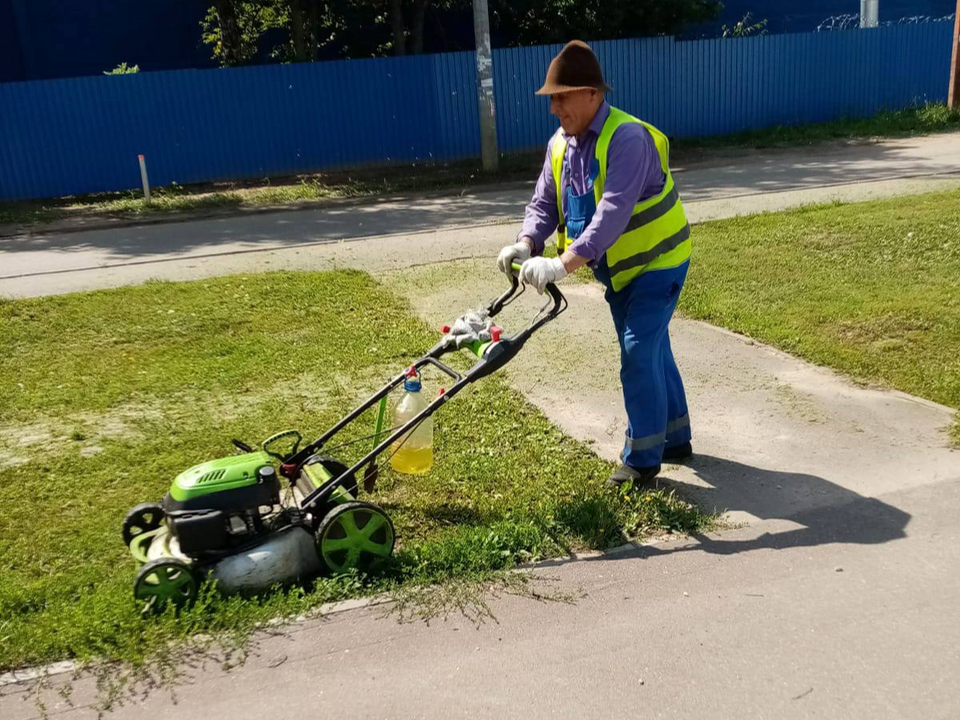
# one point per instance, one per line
(413, 452)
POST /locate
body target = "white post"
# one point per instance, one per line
(869, 13)
(144, 179)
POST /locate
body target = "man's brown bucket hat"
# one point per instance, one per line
(574, 68)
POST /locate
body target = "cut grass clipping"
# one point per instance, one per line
(107, 396)
(870, 289)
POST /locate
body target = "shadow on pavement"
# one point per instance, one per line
(823, 512)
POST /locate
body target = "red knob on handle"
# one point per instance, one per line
(495, 333)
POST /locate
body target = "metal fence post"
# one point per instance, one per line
(488, 111)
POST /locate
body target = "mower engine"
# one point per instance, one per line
(225, 520)
(222, 504)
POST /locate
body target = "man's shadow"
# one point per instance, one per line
(819, 511)
(823, 511)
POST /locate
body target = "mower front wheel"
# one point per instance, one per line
(355, 536)
(166, 580)
(141, 518)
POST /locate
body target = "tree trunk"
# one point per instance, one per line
(296, 30)
(315, 28)
(230, 40)
(396, 18)
(416, 26)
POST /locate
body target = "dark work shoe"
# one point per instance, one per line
(678, 452)
(639, 476)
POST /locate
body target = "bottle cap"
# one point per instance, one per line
(412, 383)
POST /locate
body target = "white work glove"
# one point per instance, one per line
(518, 252)
(539, 271)
(469, 327)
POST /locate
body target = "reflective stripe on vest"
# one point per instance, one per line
(657, 235)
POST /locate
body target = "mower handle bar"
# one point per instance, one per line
(511, 294)
(496, 355)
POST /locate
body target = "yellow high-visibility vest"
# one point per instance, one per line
(658, 234)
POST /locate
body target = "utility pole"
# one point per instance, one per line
(869, 13)
(488, 110)
(953, 96)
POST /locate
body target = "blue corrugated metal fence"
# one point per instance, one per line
(83, 135)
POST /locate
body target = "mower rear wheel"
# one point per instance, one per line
(166, 580)
(141, 518)
(355, 536)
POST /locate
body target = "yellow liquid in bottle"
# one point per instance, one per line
(412, 460)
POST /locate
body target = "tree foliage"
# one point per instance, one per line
(123, 69)
(240, 31)
(745, 28)
(534, 22)
(232, 28)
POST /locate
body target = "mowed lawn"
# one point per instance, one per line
(871, 289)
(106, 396)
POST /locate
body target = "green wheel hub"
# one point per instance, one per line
(355, 535)
(163, 581)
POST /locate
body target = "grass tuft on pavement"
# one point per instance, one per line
(106, 396)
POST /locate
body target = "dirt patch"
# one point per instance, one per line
(8, 460)
(87, 432)
(799, 405)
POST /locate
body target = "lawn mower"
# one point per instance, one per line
(227, 519)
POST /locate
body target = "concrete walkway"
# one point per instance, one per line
(837, 595)
(722, 186)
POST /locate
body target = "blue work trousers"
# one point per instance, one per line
(653, 393)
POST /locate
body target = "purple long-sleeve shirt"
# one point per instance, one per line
(633, 174)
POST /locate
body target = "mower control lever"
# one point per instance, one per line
(280, 436)
(241, 446)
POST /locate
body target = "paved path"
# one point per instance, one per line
(837, 596)
(725, 185)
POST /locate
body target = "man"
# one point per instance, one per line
(607, 190)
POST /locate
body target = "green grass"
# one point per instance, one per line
(923, 119)
(105, 396)
(918, 120)
(870, 289)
